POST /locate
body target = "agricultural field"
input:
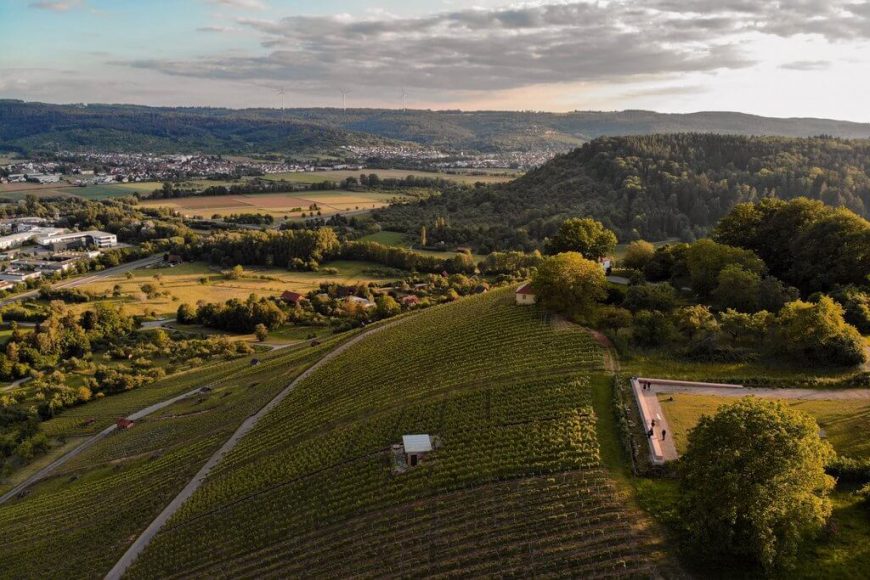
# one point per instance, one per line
(845, 423)
(98, 502)
(183, 284)
(402, 240)
(515, 484)
(279, 205)
(309, 177)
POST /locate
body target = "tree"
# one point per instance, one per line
(737, 288)
(185, 314)
(423, 239)
(569, 283)
(652, 328)
(235, 273)
(817, 333)
(753, 483)
(387, 306)
(584, 235)
(638, 254)
(705, 259)
(650, 297)
(261, 332)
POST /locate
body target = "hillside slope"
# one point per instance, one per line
(96, 504)
(515, 486)
(40, 126)
(654, 187)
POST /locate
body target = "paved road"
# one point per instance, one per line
(154, 527)
(806, 394)
(87, 279)
(51, 467)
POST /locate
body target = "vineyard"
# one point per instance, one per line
(80, 520)
(514, 485)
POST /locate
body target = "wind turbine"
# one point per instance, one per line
(344, 95)
(404, 94)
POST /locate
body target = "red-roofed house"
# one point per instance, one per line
(410, 300)
(124, 423)
(525, 294)
(292, 297)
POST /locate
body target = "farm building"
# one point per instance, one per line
(525, 294)
(410, 300)
(416, 447)
(172, 259)
(292, 297)
(124, 423)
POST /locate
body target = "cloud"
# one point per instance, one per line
(57, 6)
(218, 29)
(241, 4)
(805, 65)
(516, 47)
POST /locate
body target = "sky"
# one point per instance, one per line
(792, 58)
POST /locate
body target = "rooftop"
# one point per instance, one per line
(416, 443)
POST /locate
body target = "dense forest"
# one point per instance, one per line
(653, 187)
(27, 127)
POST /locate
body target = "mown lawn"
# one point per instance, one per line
(846, 424)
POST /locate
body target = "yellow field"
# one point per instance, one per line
(277, 204)
(183, 285)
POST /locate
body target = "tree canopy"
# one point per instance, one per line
(584, 235)
(569, 283)
(753, 483)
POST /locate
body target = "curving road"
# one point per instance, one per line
(154, 527)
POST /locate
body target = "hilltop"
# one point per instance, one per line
(28, 127)
(652, 187)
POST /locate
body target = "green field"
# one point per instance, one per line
(843, 422)
(515, 486)
(98, 502)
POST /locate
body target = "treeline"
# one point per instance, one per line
(652, 187)
(257, 219)
(408, 260)
(234, 315)
(270, 248)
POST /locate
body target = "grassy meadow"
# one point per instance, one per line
(191, 282)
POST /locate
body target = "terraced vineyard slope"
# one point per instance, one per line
(78, 522)
(514, 486)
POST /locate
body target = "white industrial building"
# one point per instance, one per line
(89, 238)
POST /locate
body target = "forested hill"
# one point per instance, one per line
(30, 127)
(652, 187)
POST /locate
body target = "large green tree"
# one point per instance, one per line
(705, 260)
(753, 483)
(818, 333)
(569, 283)
(584, 235)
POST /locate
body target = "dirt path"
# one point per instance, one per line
(611, 360)
(154, 527)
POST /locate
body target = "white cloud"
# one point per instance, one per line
(57, 6)
(241, 4)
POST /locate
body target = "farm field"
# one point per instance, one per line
(279, 205)
(182, 284)
(99, 501)
(515, 484)
(845, 423)
(492, 176)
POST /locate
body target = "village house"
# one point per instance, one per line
(124, 423)
(410, 300)
(291, 297)
(525, 294)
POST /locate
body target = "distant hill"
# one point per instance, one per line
(39, 126)
(653, 187)
(29, 127)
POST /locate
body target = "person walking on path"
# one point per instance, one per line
(649, 433)
(664, 434)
